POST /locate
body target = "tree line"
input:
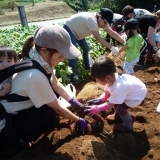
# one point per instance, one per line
(115, 5)
(86, 5)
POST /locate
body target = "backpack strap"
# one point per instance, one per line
(18, 67)
(21, 66)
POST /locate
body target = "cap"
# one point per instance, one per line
(107, 14)
(54, 36)
(130, 24)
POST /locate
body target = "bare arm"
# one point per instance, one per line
(101, 40)
(59, 88)
(124, 48)
(114, 34)
(62, 111)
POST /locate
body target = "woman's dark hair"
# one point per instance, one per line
(28, 44)
(127, 9)
(130, 34)
(8, 51)
(102, 67)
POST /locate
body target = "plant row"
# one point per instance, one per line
(17, 36)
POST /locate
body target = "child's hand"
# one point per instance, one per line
(7, 87)
(92, 110)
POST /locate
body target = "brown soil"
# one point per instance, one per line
(143, 143)
(40, 12)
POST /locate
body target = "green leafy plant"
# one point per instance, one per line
(17, 36)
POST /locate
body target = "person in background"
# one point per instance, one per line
(116, 26)
(133, 46)
(84, 24)
(28, 119)
(148, 25)
(122, 92)
(130, 12)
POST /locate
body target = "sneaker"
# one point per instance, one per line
(75, 78)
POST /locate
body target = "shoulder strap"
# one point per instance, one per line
(21, 66)
(18, 67)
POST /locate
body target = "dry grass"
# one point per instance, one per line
(41, 11)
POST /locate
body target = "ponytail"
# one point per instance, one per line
(28, 44)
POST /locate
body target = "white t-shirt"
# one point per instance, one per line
(33, 84)
(126, 89)
(81, 24)
(117, 16)
(140, 12)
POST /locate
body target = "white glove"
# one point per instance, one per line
(124, 43)
(124, 37)
(155, 48)
(114, 51)
(158, 53)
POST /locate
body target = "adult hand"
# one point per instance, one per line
(94, 101)
(82, 125)
(114, 50)
(75, 127)
(75, 103)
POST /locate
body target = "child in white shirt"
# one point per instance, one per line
(122, 91)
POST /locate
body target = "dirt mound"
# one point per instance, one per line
(40, 12)
(143, 143)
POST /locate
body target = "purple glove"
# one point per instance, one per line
(82, 125)
(75, 103)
